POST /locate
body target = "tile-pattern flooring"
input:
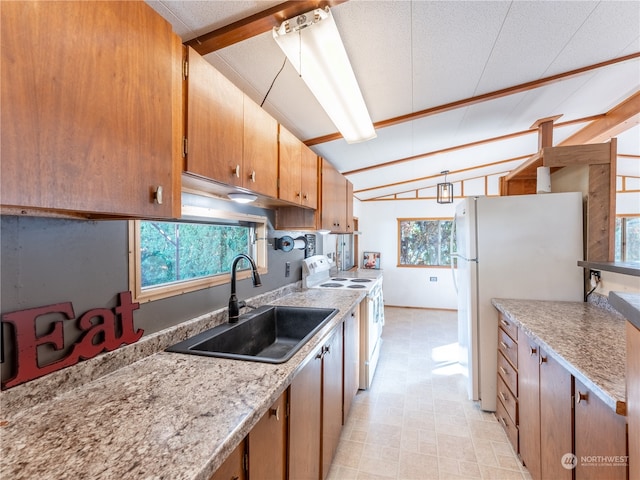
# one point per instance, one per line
(416, 422)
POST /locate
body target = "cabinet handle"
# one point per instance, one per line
(503, 396)
(504, 372)
(236, 171)
(252, 177)
(157, 195)
(275, 412)
(327, 349)
(504, 322)
(532, 351)
(297, 194)
(503, 422)
(305, 196)
(542, 360)
(504, 345)
(582, 396)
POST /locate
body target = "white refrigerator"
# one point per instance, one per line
(523, 247)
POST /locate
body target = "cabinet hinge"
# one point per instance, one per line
(185, 146)
(185, 69)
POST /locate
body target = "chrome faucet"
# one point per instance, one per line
(234, 307)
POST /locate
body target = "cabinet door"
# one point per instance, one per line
(90, 95)
(289, 166)
(333, 199)
(215, 125)
(349, 207)
(305, 427)
(233, 466)
(529, 405)
(309, 177)
(556, 426)
(600, 432)
(351, 360)
(633, 397)
(268, 443)
(331, 399)
(260, 153)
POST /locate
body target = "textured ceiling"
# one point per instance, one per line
(414, 55)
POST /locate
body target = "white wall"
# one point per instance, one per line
(408, 287)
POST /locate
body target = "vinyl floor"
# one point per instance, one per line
(416, 421)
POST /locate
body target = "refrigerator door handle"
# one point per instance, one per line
(453, 255)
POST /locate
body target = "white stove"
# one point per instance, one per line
(316, 273)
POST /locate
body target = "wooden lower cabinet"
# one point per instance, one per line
(305, 422)
(267, 443)
(544, 398)
(233, 467)
(331, 399)
(351, 368)
(600, 438)
(633, 398)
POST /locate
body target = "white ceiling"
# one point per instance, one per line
(413, 55)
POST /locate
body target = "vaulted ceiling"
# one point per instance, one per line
(449, 85)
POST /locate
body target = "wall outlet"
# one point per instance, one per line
(433, 279)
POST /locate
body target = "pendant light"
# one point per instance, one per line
(444, 193)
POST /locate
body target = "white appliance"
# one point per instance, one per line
(525, 247)
(316, 273)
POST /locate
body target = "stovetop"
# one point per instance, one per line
(316, 273)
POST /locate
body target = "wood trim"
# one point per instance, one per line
(589, 154)
(523, 87)
(617, 120)
(256, 24)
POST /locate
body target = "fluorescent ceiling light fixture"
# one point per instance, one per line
(242, 197)
(313, 45)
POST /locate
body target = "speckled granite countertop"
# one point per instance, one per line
(167, 415)
(589, 341)
(628, 304)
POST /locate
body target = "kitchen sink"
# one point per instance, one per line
(270, 334)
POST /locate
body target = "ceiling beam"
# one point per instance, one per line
(523, 87)
(617, 120)
(256, 24)
(454, 148)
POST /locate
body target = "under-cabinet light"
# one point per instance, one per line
(242, 197)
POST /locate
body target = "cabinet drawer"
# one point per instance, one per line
(509, 401)
(508, 373)
(508, 326)
(508, 425)
(508, 347)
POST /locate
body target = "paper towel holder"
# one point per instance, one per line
(287, 243)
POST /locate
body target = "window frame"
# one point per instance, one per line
(196, 215)
(399, 237)
(620, 242)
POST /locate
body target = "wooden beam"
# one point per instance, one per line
(255, 24)
(589, 154)
(617, 120)
(523, 87)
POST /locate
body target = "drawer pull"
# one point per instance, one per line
(504, 345)
(542, 360)
(532, 351)
(583, 396)
(504, 397)
(502, 370)
(504, 322)
(502, 421)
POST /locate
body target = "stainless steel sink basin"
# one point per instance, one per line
(271, 334)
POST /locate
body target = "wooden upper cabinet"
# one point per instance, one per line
(309, 177)
(260, 152)
(349, 206)
(91, 112)
(215, 123)
(230, 138)
(290, 152)
(334, 199)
